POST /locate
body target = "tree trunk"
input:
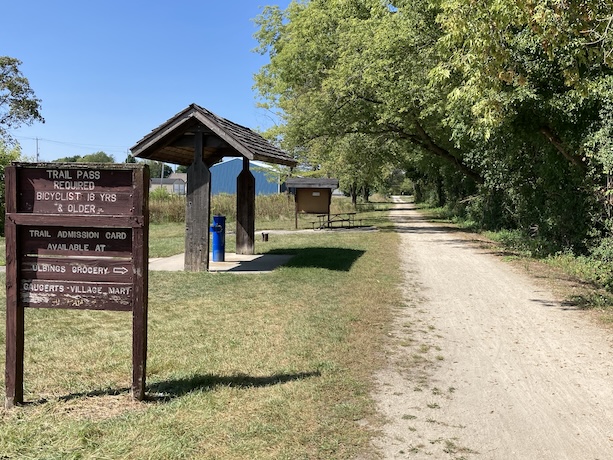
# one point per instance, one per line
(353, 192)
(440, 192)
(365, 193)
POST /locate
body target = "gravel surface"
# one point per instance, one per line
(483, 363)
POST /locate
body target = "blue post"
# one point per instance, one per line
(218, 229)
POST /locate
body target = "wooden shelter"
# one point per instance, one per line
(197, 138)
(313, 195)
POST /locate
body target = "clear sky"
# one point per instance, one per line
(108, 72)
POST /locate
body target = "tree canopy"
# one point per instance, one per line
(8, 154)
(18, 104)
(503, 101)
(97, 157)
(155, 169)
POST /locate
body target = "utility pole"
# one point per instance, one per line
(37, 149)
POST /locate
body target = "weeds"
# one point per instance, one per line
(272, 211)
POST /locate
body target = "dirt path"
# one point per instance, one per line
(484, 364)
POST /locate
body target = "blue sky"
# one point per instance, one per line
(108, 72)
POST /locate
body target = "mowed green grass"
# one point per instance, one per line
(268, 366)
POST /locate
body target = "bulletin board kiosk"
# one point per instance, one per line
(314, 196)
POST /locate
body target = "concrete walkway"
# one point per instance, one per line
(234, 263)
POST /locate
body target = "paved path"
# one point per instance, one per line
(233, 263)
(485, 364)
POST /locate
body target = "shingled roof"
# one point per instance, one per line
(311, 182)
(172, 141)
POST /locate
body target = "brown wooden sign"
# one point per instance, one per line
(75, 241)
(76, 237)
(75, 191)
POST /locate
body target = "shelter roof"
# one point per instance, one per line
(311, 182)
(173, 140)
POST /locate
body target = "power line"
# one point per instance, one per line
(106, 148)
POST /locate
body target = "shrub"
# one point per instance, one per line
(166, 207)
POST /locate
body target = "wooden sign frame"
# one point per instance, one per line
(77, 237)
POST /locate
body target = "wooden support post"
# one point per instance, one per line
(140, 296)
(198, 211)
(14, 309)
(245, 211)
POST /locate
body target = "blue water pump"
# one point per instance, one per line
(218, 230)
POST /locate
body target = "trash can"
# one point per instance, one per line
(218, 230)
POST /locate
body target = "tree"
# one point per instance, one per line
(340, 68)
(602, 36)
(155, 169)
(72, 159)
(98, 157)
(505, 99)
(8, 154)
(531, 90)
(362, 163)
(529, 60)
(18, 104)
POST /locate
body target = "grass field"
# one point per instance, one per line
(271, 366)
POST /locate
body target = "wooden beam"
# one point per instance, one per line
(198, 211)
(210, 141)
(140, 299)
(14, 310)
(245, 211)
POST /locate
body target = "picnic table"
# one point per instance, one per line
(340, 220)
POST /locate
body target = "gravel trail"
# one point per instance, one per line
(483, 363)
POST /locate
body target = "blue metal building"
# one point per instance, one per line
(224, 174)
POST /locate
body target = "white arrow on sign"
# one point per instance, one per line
(120, 270)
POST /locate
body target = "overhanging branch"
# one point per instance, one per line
(559, 146)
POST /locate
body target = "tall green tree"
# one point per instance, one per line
(513, 97)
(362, 163)
(533, 60)
(355, 67)
(531, 84)
(18, 103)
(155, 169)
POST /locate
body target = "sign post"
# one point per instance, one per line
(77, 238)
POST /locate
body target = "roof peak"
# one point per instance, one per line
(169, 142)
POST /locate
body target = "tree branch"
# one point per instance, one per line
(559, 146)
(425, 141)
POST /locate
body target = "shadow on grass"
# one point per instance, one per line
(338, 259)
(168, 390)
